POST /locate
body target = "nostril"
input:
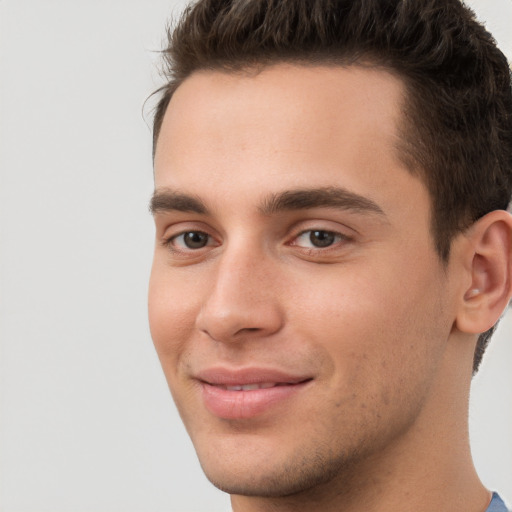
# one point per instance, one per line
(248, 329)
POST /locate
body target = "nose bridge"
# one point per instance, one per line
(243, 297)
(235, 278)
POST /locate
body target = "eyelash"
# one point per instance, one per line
(334, 237)
(169, 241)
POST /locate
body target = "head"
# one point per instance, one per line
(330, 185)
(457, 122)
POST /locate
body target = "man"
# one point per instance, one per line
(333, 250)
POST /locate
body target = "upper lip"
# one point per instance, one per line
(221, 376)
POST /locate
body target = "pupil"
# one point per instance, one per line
(321, 238)
(195, 239)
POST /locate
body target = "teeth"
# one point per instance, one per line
(250, 387)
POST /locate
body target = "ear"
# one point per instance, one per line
(488, 265)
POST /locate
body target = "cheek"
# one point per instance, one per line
(171, 317)
(378, 326)
(382, 353)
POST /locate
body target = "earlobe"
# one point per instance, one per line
(489, 263)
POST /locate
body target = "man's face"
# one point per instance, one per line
(296, 302)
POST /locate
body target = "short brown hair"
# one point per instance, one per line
(457, 132)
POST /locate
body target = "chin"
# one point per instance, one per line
(279, 482)
(273, 475)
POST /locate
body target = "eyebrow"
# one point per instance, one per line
(328, 197)
(300, 199)
(168, 200)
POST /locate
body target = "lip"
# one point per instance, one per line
(267, 388)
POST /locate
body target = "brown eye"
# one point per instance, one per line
(319, 239)
(322, 238)
(192, 240)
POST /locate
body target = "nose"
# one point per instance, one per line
(243, 299)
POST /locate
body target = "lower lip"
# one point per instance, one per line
(235, 405)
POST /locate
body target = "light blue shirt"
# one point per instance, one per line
(496, 504)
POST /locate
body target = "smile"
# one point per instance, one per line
(252, 387)
(247, 393)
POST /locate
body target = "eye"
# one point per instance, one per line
(191, 240)
(318, 238)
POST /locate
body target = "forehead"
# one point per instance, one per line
(286, 124)
(286, 94)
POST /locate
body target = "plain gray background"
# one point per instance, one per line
(86, 420)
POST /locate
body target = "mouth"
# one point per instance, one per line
(252, 387)
(248, 393)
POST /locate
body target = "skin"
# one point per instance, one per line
(376, 321)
